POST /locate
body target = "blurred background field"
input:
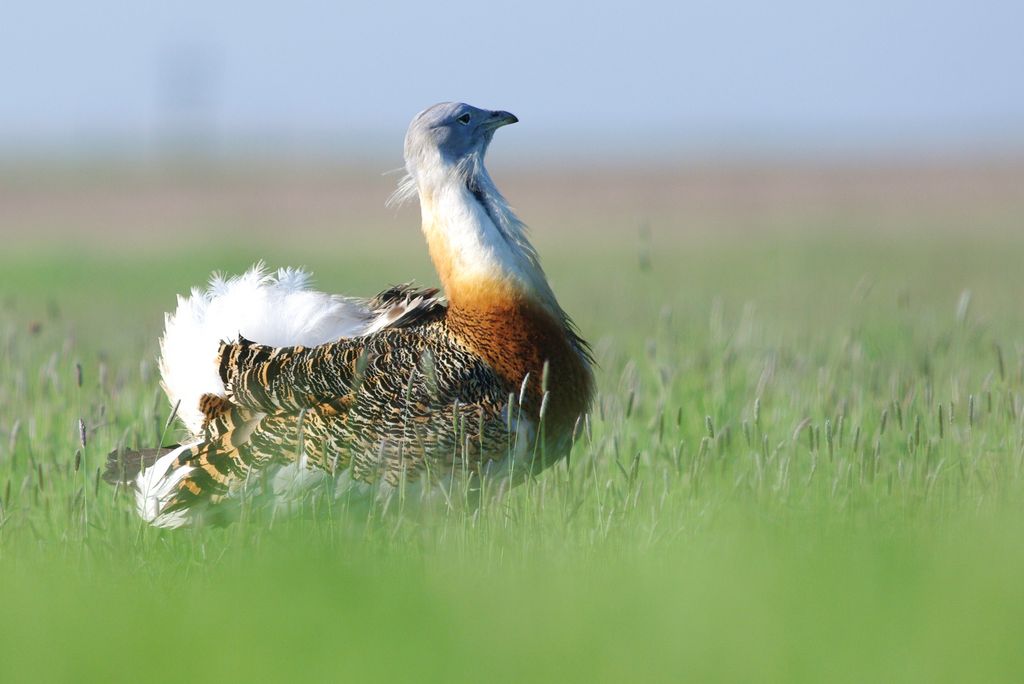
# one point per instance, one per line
(805, 463)
(794, 238)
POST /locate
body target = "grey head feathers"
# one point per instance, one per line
(447, 141)
(454, 131)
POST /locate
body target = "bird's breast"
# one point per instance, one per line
(516, 338)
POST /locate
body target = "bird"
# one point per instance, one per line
(486, 378)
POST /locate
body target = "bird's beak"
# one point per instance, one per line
(499, 119)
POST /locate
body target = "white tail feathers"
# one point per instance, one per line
(276, 309)
(156, 485)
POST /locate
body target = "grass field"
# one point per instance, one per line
(806, 462)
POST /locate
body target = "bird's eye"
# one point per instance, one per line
(464, 119)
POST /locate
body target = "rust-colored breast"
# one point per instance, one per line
(516, 336)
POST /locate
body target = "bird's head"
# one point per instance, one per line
(451, 137)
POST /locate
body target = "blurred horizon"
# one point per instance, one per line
(157, 124)
(654, 83)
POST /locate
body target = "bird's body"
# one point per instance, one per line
(406, 387)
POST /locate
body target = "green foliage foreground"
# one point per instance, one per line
(805, 465)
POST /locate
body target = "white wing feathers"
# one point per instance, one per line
(276, 309)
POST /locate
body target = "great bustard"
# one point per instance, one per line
(409, 386)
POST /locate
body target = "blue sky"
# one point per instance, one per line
(642, 77)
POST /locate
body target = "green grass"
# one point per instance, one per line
(805, 464)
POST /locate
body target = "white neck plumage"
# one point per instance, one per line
(476, 241)
(496, 288)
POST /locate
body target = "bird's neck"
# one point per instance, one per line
(500, 303)
(479, 247)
